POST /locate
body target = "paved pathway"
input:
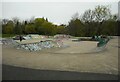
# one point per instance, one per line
(18, 73)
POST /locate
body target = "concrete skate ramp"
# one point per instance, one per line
(103, 62)
(82, 47)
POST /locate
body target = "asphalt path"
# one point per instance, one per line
(19, 73)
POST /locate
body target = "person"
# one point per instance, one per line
(93, 37)
(20, 38)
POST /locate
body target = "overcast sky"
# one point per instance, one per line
(56, 12)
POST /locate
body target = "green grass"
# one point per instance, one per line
(7, 35)
(0, 35)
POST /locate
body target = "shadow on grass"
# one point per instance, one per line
(19, 73)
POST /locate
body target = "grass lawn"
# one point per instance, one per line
(7, 35)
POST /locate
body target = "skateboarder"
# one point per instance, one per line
(20, 38)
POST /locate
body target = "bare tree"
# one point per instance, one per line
(5, 21)
(88, 16)
(75, 16)
(15, 20)
(32, 19)
(98, 15)
(102, 13)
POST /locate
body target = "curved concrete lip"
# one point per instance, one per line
(81, 47)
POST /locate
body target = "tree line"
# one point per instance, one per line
(98, 21)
